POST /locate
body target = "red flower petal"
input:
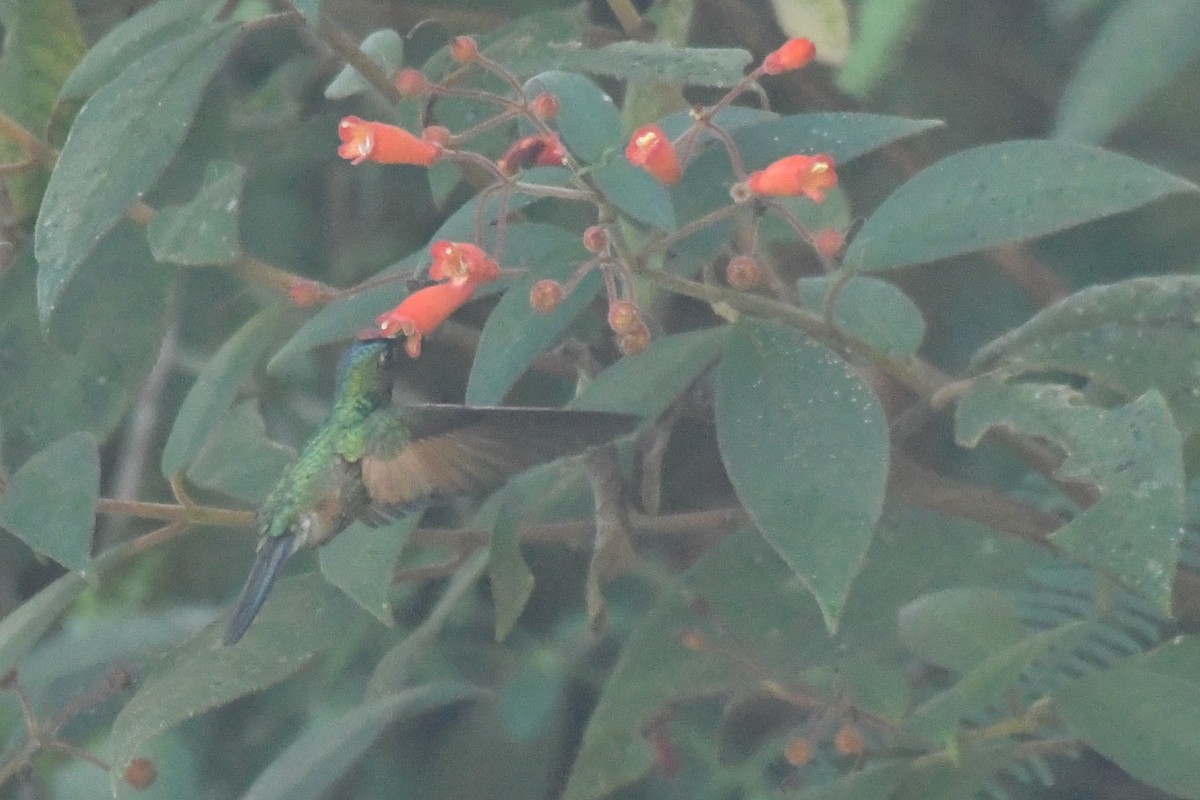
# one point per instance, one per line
(794, 54)
(794, 176)
(363, 140)
(650, 149)
(461, 262)
(422, 312)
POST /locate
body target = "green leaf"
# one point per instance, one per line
(717, 67)
(237, 458)
(121, 141)
(883, 26)
(155, 25)
(104, 344)
(1141, 49)
(321, 755)
(217, 386)
(805, 444)
(1132, 454)
(646, 384)
(202, 673)
(588, 121)
(51, 502)
(953, 776)
(385, 48)
(511, 578)
(21, 629)
(871, 309)
(42, 42)
(1142, 715)
(205, 230)
(636, 192)
(751, 604)
(514, 334)
(361, 561)
(958, 628)
(1128, 337)
(1003, 193)
(874, 781)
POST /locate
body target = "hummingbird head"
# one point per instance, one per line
(365, 372)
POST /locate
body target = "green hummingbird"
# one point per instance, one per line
(372, 460)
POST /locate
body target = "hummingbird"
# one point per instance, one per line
(372, 460)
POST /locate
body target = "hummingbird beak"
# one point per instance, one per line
(268, 566)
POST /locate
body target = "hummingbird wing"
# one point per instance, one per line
(439, 451)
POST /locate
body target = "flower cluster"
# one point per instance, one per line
(460, 268)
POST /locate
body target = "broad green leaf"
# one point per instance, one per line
(361, 561)
(958, 628)
(237, 458)
(304, 616)
(751, 604)
(42, 42)
(987, 683)
(155, 25)
(805, 444)
(1132, 454)
(385, 48)
(718, 67)
(845, 136)
(588, 121)
(514, 334)
(871, 309)
(511, 578)
(123, 138)
(1127, 337)
(883, 26)
(1000, 194)
(24, 625)
(825, 22)
(954, 776)
(217, 386)
(103, 346)
(50, 504)
(1142, 715)
(874, 781)
(636, 192)
(316, 760)
(205, 230)
(1141, 49)
(648, 383)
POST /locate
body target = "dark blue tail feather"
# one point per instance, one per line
(268, 566)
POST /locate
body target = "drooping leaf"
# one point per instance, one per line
(24, 625)
(237, 458)
(51, 502)
(361, 561)
(1141, 715)
(217, 386)
(205, 230)
(1129, 337)
(203, 673)
(42, 42)
(957, 628)
(121, 141)
(325, 752)
(385, 48)
(871, 309)
(647, 383)
(1003, 193)
(1132, 454)
(805, 444)
(1141, 49)
(511, 578)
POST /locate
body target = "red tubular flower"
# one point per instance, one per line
(462, 263)
(794, 54)
(533, 151)
(386, 144)
(794, 176)
(422, 312)
(650, 149)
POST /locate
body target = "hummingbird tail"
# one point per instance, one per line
(268, 566)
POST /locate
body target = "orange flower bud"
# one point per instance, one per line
(828, 242)
(635, 341)
(743, 272)
(693, 639)
(794, 176)
(798, 752)
(411, 82)
(532, 151)
(794, 54)
(595, 239)
(546, 105)
(650, 149)
(141, 773)
(382, 143)
(464, 49)
(623, 316)
(460, 262)
(546, 295)
(422, 312)
(849, 740)
(438, 134)
(304, 294)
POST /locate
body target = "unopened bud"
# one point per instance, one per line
(829, 242)
(141, 773)
(849, 740)
(624, 317)
(546, 295)
(743, 272)
(635, 341)
(464, 50)
(411, 82)
(305, 294)
(438, 134)
(546, 105)
(692, 639)
(799, 751)
(595, 239)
